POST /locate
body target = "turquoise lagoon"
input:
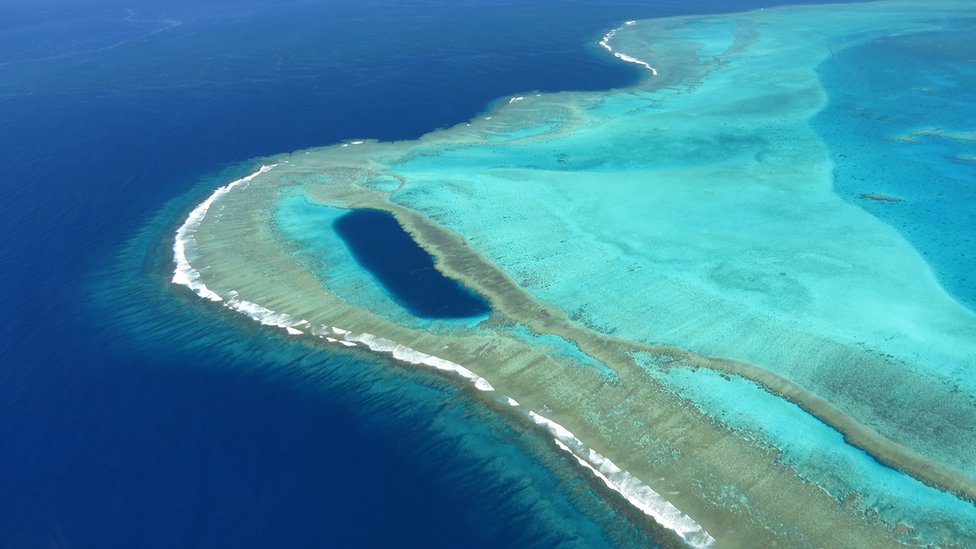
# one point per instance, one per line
(900, 124)
(747, 280)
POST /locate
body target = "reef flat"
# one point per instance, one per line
(678, 295)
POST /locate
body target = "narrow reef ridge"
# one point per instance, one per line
(677, 295)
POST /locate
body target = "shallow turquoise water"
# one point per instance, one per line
(706, 216)
(307, 228)
(553, 345)
(891, 87)
(716, 217)
(815, 450)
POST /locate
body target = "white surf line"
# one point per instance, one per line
(605, 43)
(185, 274)
(413, 356)
(630, 487)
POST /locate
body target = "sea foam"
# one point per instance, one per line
(630, 487)
(605, 44)
(186, 242)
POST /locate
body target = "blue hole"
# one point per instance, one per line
(404, 269)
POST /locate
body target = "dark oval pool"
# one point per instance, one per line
(404, 269)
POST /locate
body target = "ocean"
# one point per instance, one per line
(134, 416)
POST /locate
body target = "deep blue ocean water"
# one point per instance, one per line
(132, 415)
